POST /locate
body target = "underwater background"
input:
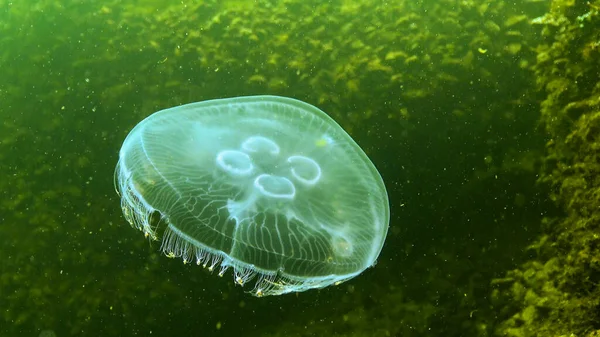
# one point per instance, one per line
(483, 118)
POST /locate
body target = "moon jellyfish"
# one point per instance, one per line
(269, 187)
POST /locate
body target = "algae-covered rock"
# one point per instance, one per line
(564, 272)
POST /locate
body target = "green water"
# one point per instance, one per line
(438, 94)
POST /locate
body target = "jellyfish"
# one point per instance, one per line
(269, 187)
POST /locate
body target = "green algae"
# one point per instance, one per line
(563, 277)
